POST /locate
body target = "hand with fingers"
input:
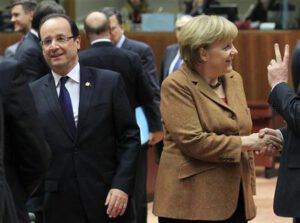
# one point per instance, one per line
(257, 143)
(116, 202)
(278, 67)
(270, 149)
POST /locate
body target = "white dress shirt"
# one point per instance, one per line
(73, 87)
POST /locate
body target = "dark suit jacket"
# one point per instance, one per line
(106, 56)
(26, 154)
(287, 194)
(169, 55)
(101, 156)
(29, 54)
(144, 51)
(8, 212)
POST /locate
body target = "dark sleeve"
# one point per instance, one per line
(287, 103)
(144, 90)
(34, 64)
(152, 110)
(128, 139)
(24, 134)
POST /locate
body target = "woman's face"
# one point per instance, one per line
(218, 57)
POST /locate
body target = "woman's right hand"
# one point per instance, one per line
(257, 142)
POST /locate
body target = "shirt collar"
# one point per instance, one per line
(74, 75)
(34, 33)
(100, 40)
(121, 41)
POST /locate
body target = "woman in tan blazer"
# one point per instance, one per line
(206, 172)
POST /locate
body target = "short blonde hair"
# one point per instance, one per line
(202, 31)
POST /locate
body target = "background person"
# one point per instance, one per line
(286, 102)
(151, 110)
(26, 154)
(207, 166)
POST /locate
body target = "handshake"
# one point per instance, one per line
(267, 141)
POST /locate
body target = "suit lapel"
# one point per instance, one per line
(87, 86)
(52, 98)
(206, 90)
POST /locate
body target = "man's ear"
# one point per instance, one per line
(203, 54)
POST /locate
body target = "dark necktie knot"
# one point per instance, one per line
(63, 80)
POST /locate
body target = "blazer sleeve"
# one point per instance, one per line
(128, 140)
(287, 103)
(183, 126)
(24, 133)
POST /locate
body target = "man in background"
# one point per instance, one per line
(26, 155)
(151, 111)
(29, 52)
(21, 17)
(103, 54)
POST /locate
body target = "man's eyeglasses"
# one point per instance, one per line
(60, 40)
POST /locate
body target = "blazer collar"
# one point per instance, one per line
(228, 84)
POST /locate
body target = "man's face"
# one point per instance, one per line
(116, 29)
(61, 50)
(21, 19)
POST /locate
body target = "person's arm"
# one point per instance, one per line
(152, 111)
(24, 133)
(282, 98)
(128, 146)
(181, 120)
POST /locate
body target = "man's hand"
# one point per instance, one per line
(117, 202)
(270, 149)
(155, 137)
(278, 68)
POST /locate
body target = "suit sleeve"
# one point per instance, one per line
(152, 110)
(34, 64)
(144, 90)
(128, 140)
(287, 103)
(24, 133)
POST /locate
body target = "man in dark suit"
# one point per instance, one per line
(90, 127)
(103, 54)
(21, 17)
(26, 155)
(172, 59)
(153, 118)
(8, 212)
(29, 52)
(287, 103)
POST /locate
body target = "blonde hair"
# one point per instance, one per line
(202, 31)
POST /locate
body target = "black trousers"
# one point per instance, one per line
(296, 220)
(140, 193)
(237, 217)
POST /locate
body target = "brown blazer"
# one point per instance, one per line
(202, 165)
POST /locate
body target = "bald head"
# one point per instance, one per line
(96, 25)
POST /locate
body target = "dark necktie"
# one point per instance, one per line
(66, 105)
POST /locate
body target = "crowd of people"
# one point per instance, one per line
(70, 143)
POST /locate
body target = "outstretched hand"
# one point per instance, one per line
(278, 67)
(270, 149)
